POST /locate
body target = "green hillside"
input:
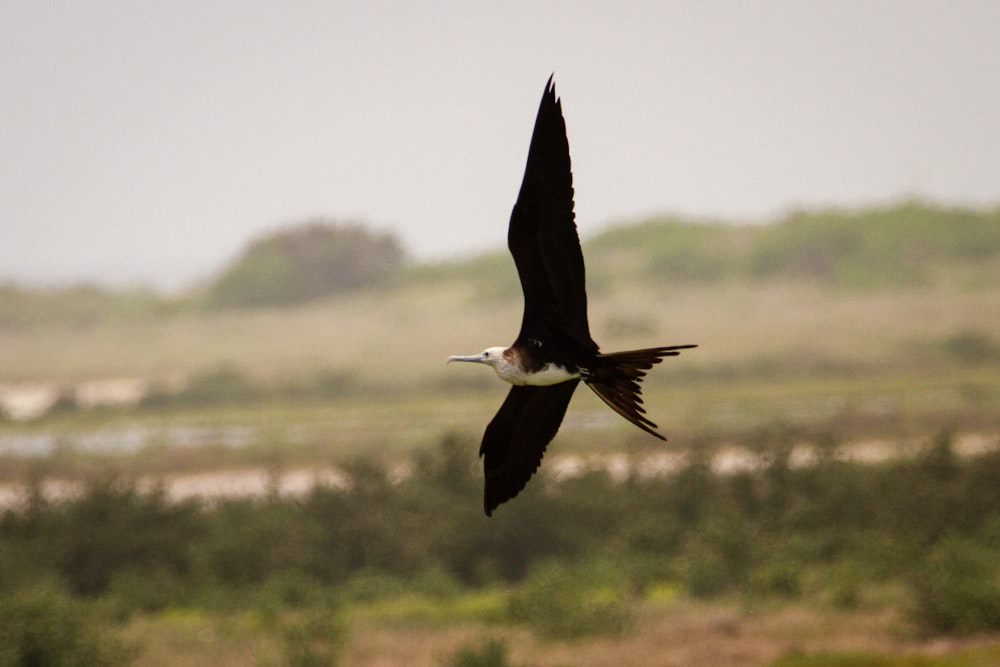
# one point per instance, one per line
(906, 245)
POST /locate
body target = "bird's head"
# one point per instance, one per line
(491, 356)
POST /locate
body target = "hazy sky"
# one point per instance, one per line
(148, 141)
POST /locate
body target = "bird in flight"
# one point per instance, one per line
(553, 351)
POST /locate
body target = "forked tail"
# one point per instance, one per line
(616, 378)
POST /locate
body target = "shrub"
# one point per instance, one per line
(221, 386)
(114, 529)
(564, 602)
(313, 637)
(957, 589)
(721, 557)
(307, 262)
(43, 626)
(491, 653)
(972, 348)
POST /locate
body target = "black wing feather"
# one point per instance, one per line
(516, 439)
(543, 239)
(617, 379)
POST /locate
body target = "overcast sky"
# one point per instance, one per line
(146, 142)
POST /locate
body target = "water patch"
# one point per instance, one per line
(127, 440)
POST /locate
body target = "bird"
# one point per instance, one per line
(553, 351)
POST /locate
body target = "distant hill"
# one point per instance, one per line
(911, 244)
(307, 262)
(904, 245)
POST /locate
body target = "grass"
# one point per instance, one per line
(409, 333)
(682, 632)
(972, 657)
(425, 610)
(425, 629)
(399, 626)
(187, 638)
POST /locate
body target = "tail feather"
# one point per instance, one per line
(616, 378)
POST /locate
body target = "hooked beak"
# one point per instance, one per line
(472, 357)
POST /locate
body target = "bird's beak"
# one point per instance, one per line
(471, 357)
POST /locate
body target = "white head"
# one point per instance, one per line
(491, 356)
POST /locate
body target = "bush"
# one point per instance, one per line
(957, 589)
(43, 626)
(307, 262)
(492, 653)
(565, 602)
(114, 529)
(313, 637)
(721, 558)
(972, 348)
(224, 385)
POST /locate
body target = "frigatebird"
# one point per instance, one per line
(553, 351)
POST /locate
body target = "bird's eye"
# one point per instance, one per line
(486, 355)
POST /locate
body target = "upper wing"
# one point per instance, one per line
(542, 235)
(516, 439)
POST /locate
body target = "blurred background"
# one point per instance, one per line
(238, 242)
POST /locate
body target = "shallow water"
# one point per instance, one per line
(126, 440)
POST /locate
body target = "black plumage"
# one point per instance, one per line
(543, 239)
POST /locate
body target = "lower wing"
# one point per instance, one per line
(516, 438)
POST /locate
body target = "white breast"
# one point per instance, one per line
(549, 375)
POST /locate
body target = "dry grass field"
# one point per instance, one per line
(401, 338)
(670, 634)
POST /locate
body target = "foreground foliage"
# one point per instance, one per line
(576, 551)
(986, 657)
(43, 626)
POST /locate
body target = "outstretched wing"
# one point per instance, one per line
(516, 439)
(543, 239)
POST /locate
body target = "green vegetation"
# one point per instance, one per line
(227, 385)
(44, 626)
(558, 602)
(307, 262)
(910, 244)
(905, 245)
(82, 306)
(577, 558)
(965, 658)
(492, 653)
(847, 336)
